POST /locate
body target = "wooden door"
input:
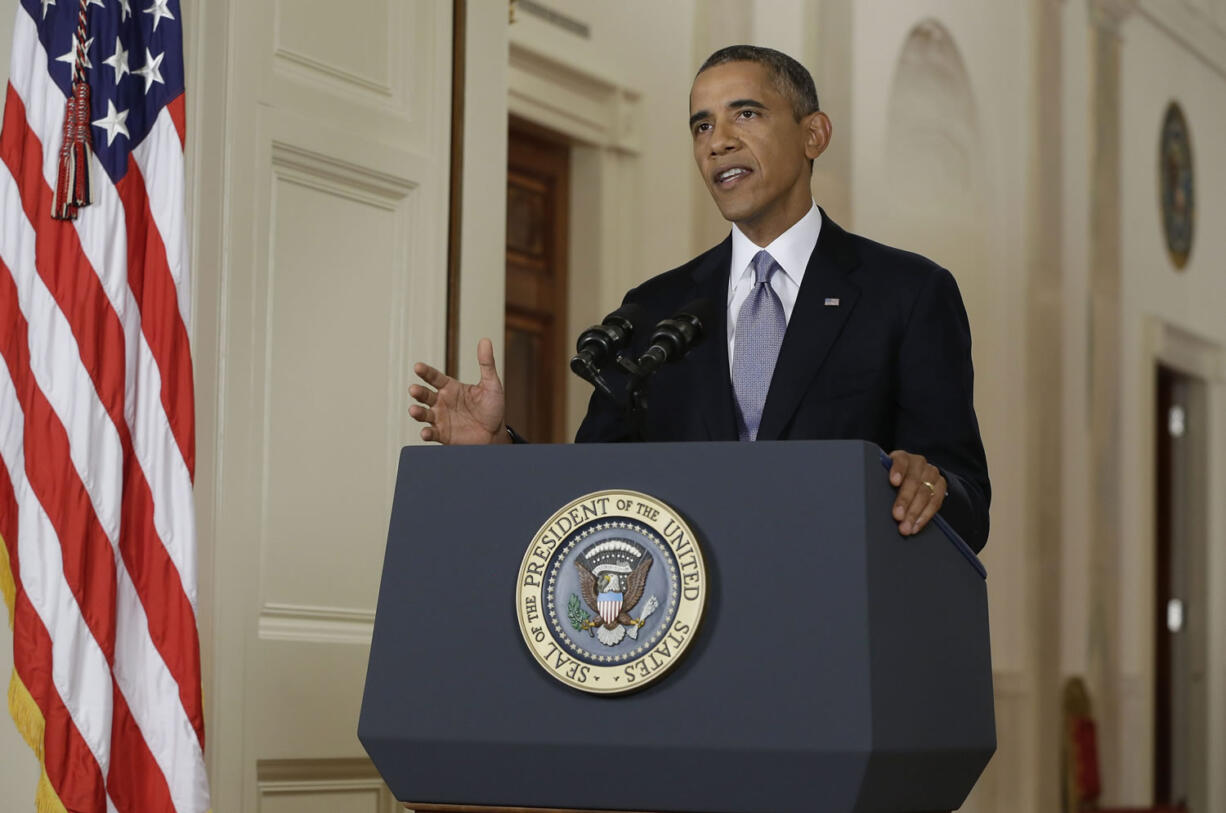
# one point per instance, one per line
(538, 195)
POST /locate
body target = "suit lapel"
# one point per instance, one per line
(710, 359)
(813, 328)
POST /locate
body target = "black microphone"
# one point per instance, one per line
(673, 338)
(599, 345)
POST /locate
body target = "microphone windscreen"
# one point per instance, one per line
(703, 312)
(631, 312)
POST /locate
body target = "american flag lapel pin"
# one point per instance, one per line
(832, 302)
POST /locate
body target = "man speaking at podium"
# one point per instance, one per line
(822, 335)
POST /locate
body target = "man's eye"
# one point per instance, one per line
(702, 127)
(748, 114)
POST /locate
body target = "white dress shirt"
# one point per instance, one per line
(791, 250)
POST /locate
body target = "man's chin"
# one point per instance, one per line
(730, 210)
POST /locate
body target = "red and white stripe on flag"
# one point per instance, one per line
(98, 553)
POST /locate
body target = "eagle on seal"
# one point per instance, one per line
(612, 578)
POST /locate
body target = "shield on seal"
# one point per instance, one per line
(610, 604)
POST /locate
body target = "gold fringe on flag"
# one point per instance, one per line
(46, 800)
(26, 714)
(7, 587)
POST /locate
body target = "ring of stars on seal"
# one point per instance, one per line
(659, 629)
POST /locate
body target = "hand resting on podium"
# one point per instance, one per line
(921, 491)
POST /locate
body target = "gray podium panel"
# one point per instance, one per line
(838, 667)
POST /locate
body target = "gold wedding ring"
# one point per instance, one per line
(931, 487)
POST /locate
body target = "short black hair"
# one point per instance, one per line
(789, 77)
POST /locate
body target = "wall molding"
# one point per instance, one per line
(1184, 350)
(388, 90)
(337, 177)
(392, 193)
(576, 102)
(305, 778)
(1203, 36)
(315, 624)
(316, 69)
(302, 771)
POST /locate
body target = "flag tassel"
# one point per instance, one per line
(72, 182)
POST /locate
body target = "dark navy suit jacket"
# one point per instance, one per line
(889, 363)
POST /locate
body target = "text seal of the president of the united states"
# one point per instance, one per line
(611, 591)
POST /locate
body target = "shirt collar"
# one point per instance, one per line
(791, 249)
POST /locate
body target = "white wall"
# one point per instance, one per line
(1155, 70)
(996, 59)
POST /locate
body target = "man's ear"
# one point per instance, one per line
(817, 134)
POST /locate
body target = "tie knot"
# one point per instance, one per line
(763, 266)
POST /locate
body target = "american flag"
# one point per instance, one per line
(97, 429)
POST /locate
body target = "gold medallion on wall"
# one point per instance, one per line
(1176, 185)
(611, 592)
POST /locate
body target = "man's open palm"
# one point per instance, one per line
(457, 413)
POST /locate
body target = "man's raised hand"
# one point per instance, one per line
(457, 413)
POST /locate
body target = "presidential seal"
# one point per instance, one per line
(611, 591)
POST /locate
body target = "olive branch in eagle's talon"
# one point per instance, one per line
(579, 619)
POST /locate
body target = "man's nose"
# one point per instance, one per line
(723, 138)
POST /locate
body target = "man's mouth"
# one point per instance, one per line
(726, 178)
